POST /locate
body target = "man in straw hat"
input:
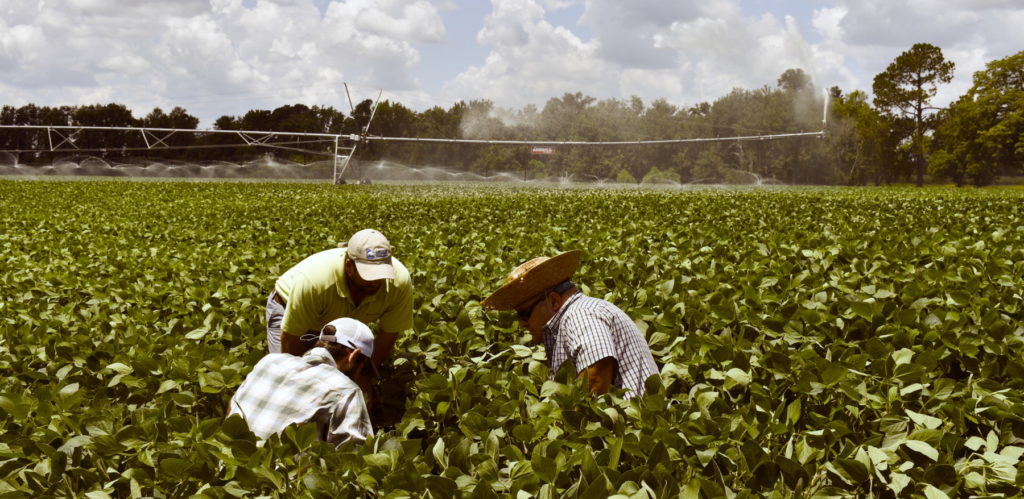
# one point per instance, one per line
(599, 339)
(284, 389)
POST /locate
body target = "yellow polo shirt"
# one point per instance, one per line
(316, 293)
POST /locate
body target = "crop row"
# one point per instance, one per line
(810, 341)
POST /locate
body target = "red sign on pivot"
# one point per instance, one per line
(542, 150)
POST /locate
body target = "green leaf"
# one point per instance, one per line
(175, 467)
(925, 420)
(833, 374)
(879, 458)
(545, 468)
(379, 460)
(235, 489)
(439, 486)
(738, 376)
(975, 443)
(197, 333)
(705, 399)
(166, 385)
(74, 442)
(863, 309)
(922, 448)
(439, 453)
(903, 356)
(853, 469)
(598, 489)
(793, 412)
(898, 482)
(975, 480)
(119, 368)
(931, 492)
(523, 432)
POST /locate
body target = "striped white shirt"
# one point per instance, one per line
(586, 330)
(284, 389)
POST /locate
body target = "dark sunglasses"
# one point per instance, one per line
(525, 314)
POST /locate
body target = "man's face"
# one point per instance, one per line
(357, 282)
(534, 315)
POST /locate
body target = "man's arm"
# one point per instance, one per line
(396, 319)
(349, 420)
(292, 344)
(383, 345)
(600, 375)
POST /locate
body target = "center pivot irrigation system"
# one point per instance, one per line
(63, 137)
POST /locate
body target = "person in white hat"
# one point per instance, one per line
(361, 280)
(316, 388)
(600, 340)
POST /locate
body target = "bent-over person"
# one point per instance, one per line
(600, 340)
(284, 389)
(360, 280)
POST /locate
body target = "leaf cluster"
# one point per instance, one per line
(811, 342)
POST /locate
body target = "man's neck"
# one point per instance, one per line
(358, 295)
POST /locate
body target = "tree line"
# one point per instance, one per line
(898, 136)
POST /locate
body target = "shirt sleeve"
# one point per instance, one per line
(300, 314)
(349, 420)
(398, 316)
(590, 339)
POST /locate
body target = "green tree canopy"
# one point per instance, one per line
(982, 133)
(904, 92)
(855, 137)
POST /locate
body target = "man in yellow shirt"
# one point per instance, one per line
(360, 280)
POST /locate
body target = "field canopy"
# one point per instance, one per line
(810, 341)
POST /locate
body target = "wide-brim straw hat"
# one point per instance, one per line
(532, 278)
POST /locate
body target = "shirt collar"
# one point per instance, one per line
(551, 328)
(318, 355)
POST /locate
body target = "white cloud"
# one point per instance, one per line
(219, 57)
(19, 43)
(870, 34)
(828, 22)
(694, 51)
(626, 31)
(651, 84)
(530, 59)
(211, 56)
(682, 51)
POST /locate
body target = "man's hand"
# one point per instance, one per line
(292, 344)
(600, 375)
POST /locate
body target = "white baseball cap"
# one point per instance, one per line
(353, 334)
(371, 252)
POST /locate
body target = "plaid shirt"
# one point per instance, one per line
(586, 330)
(284, 389)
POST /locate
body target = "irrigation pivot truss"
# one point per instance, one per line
(63, 137)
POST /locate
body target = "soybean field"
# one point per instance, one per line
(811, 342)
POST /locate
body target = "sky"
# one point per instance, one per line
(225, 57)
